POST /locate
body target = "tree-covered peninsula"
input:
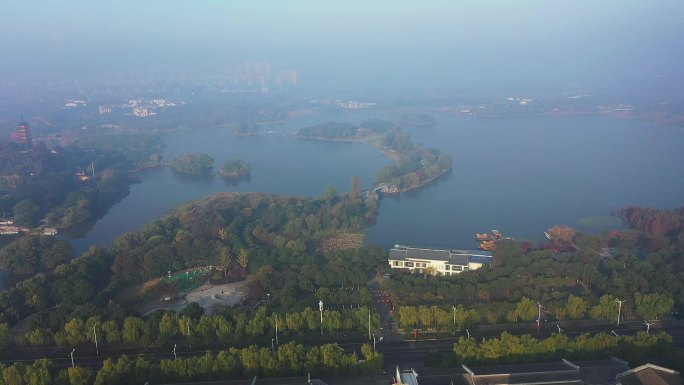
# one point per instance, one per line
(415, 164)
(330, 131)
(66, 185)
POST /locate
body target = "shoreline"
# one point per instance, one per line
(353, 139)
(393, 155)
(232, 174)
(426, 181)
(148, 166)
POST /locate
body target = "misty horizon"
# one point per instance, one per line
(609, 48)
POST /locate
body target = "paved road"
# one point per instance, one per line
(396, 352)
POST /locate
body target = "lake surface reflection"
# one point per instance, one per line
(518, 175)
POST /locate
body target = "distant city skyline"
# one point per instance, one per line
(619, 47)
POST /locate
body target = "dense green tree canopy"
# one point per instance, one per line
(193, 164)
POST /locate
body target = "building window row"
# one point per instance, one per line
(422, 265)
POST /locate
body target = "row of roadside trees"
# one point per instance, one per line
(287, 360)
(510, 349)
(238, 327)
(648, 306)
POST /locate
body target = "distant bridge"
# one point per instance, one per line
(381, 187)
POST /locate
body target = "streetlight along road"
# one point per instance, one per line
(619, 309)
(320, 307)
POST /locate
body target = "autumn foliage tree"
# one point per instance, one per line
(654, 222)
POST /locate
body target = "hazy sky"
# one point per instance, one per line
(468, 44)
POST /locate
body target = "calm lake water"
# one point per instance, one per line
(518, 175)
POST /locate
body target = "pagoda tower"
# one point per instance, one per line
(24, 136)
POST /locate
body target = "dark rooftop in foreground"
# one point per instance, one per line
(649, 374)
(557, 373)
(598, 372)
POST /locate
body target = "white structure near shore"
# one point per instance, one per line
(436, 261)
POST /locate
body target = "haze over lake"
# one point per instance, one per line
(519, 175)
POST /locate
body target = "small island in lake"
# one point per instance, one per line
(193, 164)
(235, 168)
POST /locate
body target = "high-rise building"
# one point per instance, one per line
(286, 77)
(258, 74)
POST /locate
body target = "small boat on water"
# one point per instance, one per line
(488, 241)
(488, 245)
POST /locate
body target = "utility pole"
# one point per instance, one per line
(276, 317)
(454, 309)
(320, 308)
(619, 309)
(95, 333)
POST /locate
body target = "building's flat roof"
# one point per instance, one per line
(558, 373)
(453, 256)
(409, 379)
(535, 379)
(548, 367)
(438, 255)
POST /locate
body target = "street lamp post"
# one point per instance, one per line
(369, 326)
(72, 357)
(276, 339)
(320, 308)
(468, 332)
(454, 309)
(174, 352)
(559, 328)
(648, 326)
(188, 323)
(619, 309)
(97, 350)
(538, 315)
(373, 342)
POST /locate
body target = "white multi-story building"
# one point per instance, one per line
(141, 112)
(105, 109)
(440, 262)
